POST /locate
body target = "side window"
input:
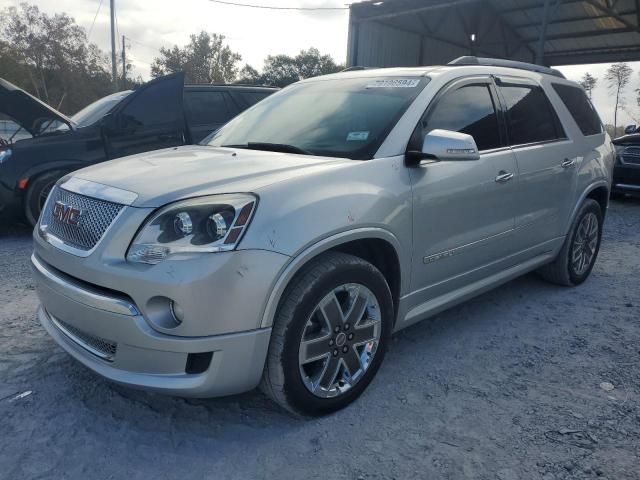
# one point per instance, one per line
(470, 110)
(206, 108)
(251, 98)
(530, 116)
(150, 107)
(580, 107)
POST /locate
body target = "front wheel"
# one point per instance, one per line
(37, 194)
(575, 261)
(330, 335)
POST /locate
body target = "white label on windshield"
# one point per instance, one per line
(357, 136)
(395, 83)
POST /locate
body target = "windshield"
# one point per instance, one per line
(98, 109)
(347, 118)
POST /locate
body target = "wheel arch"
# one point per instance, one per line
(375, 245)
(598, 191)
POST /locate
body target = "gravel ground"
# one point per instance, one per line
(506, 386)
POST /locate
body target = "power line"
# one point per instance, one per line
(269, 7)
(94, 20)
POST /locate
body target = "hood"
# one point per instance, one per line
(168, 175)
(26, 110)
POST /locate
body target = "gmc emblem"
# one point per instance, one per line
(66, 213)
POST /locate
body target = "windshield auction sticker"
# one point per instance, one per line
(357, 136)
(395, 83)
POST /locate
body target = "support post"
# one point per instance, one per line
(114, 71)
(124, 64)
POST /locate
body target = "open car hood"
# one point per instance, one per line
(26, 110)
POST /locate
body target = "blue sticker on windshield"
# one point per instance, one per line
(357, 136)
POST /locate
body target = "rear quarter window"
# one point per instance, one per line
(581, 109)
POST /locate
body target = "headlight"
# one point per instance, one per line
(205, 224)
(4, 155)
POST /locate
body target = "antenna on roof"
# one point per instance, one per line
(499, 62)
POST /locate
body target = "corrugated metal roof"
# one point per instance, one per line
(421, 32)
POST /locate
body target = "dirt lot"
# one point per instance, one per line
(506, 386)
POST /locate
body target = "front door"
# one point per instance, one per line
(463, 211)
(151, 118)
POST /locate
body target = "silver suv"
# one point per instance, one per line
(287, 248)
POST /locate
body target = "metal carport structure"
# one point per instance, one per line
(549, 32)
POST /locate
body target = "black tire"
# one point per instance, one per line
(561, 271)
(37, 191)
(282, 380)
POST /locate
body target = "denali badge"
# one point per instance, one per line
(66, 213)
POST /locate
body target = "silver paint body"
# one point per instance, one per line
(456, 230)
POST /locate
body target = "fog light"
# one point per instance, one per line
(177, 312)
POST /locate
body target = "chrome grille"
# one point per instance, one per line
(631, 155)
(100, 347)
(95, 217)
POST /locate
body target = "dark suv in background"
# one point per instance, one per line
(38, 144)
(626, 172)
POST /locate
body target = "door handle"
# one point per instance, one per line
(504, 176)
(566, 163)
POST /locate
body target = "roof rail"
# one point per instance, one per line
(355, 69)
(499, 62)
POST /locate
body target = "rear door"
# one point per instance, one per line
(206, 110)
(546, 160)
(150, 118)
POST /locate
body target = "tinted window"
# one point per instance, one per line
(253, 97)
(530, 116)
(580, 107)
(205, 108)
(346, 117)
(151, 106)
(467, 110)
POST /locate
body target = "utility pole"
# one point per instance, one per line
(114, 71)
(124, 64)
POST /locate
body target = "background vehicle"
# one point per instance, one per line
(339, 210)
(162, 113)
(626, 171)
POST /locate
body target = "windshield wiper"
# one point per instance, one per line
(272, 147)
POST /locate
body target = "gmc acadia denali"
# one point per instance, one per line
(287, 247)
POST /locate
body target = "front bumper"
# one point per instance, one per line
(107, 333)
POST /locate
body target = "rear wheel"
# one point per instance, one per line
(37, 194)
(575, 261)
(330, 335)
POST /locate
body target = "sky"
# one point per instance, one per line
(256, 33)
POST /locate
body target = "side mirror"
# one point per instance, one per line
(630, 129)
(445, 145)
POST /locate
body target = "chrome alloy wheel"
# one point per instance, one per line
(585, 244)
(340, 340)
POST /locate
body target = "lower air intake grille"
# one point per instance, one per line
(105, 349)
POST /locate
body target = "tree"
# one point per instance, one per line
(282, 70)
(50, 57)
(205, 59)
(617, 78)
(249, 76)
(588, 82)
